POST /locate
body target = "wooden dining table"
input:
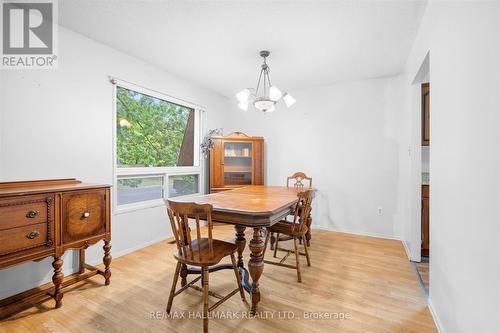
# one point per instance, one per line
(254, 207)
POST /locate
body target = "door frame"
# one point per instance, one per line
(413, 234)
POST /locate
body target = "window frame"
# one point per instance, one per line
(165, 172)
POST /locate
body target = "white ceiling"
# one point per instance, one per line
(216, 43)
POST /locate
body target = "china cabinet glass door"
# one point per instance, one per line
(237, 163)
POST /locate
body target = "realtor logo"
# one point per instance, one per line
(28, 34)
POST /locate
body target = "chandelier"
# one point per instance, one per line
(265, 96)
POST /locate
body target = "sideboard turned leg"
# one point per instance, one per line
(82, 261)
(107, 261)
(57, 279)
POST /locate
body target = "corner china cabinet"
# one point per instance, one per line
(236, 160)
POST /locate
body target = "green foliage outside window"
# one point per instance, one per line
(149, 131)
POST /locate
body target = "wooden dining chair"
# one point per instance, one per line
(293, 230)
(200, 252)
(298, 180)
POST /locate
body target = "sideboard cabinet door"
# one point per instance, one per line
(83, 215)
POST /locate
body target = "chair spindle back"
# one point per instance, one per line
(302, 210)
(179, 214)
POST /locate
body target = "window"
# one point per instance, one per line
(137, 189)
(182, 185)
(156, 148)
(151, 132)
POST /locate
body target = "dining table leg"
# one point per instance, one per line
(240, 242)
(256, 265)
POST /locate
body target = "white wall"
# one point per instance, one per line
(425, 159)
(353, 138)
(58, 123)
(346, 137)
(464, 44)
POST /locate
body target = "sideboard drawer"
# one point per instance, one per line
(84, 215)
(18, 212)
(23, 238)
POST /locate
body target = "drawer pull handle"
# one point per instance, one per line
(32, 235)
(32, 214)
(85, 215)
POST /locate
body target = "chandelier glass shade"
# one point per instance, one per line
(265, 96)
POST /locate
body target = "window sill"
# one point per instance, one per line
(127, 208)
(123, 209)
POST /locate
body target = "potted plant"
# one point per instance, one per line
(207, 144)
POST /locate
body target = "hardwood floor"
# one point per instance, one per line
(423, 271)
(368, 280)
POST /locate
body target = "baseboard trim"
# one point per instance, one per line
(407, 250)
(358, 233)
(131, 249)
(33, 284)
(434, 315)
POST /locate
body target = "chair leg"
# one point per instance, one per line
(308, 234)
(238, 277)
(174, 285)
(276, 244)
(299, 279)
(205, 298)
(273, 239)
(306, 251)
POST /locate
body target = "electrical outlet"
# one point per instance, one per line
(380, 211)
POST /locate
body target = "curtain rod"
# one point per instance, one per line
(114, 80)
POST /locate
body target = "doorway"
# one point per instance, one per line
(423, 265)
(418, 237)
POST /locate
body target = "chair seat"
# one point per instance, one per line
(286, 227)
(200, 255)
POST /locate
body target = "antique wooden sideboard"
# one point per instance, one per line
(44, 218)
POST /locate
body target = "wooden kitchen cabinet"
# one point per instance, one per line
(425, 221)
(426, 120)
(236, 160)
